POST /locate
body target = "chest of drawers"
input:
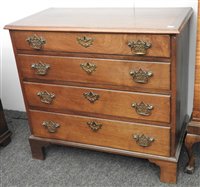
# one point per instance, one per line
(112, 80)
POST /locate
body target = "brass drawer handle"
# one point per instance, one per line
(51, 126)
(85, 41)
(46, 97)
(88, 67)
(143, 109)
(141, 76)
(91, 96)
(94, 126)
(36, 42)
(139, 47)
(40, 68)
(142, 140)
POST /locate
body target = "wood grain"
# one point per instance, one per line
(110, 103)
(103, 43)
(168, 170)
(114, 134)
(91, 55)
(166, 29)
(196, 107)
(122, 20)
(108, 73)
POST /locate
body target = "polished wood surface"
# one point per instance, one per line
(108, 72)
(110, 103)
(190, 140)
(5, 134)
(122, 20)
(103, 43)
(167, 56)
(114, 134)
(196, 103)
(168, 170)
(194, 127)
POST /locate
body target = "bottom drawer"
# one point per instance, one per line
(108, 133)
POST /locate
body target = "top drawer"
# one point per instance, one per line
(121, 44)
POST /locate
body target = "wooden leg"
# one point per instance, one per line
(5, 139)
(190, 140)
(168, 170)
(37, 148)
(5, 134)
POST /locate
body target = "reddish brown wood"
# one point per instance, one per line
(20, 79)
(196, 107)
(165, 163)
(91, 55)
(179, 85)
(192, 137)
(114, 134)
(174, 96)
(168, 170)
(168, 51)
(108, 73)
(37, 148)
(103, 43)
(114, 20)
(110, 103)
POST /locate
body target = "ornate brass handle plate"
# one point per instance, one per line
(40, 68)
(91, 96)
(51, 126)
(46, 97)
(94, 126)
(141, 76)
(142, 140)
(36, 42)
(139, 47)
(143, 109)
(85, 41)
(89, 68)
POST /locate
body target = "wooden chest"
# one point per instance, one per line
(112, 80)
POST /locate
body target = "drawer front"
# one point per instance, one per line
(120, 73)
(122, 44)
(148, 107)
(108, 133)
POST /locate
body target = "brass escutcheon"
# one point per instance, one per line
(141, 76)
(46, 97)
(51, 126)
(88, 67)
(139, 47)
(91, 96)
(85, 41)
(36, 42)
(143, 109)
(142, 140)
(94, 126)
(40, 68)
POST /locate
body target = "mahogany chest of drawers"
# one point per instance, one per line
(112, 80)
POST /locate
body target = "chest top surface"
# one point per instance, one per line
(124, 20)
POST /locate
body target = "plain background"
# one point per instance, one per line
(11, 10)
